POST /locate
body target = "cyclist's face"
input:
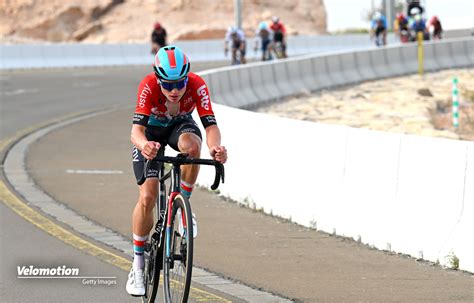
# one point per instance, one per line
(173, 90)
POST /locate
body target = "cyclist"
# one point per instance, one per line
(419, 25)
(437, 28)
(235, 37)
(158, 38)
(264, 35)
(279, 34)
(401, 27)
(378, 28)
(165, 101)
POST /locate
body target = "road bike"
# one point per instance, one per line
(170, 247)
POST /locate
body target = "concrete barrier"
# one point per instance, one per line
(364, 66)
(430, 63)
(383, 188)
(443, 55)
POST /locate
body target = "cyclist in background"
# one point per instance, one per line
(419, 25)
(401, 27)
(165, 101)
(158, 38)
(279, 34)
(378, 29)
(264, 35)
(235, 37)
(437, 28)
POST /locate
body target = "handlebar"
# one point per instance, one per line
(182, 159)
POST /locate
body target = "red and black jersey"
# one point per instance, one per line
(153, 109)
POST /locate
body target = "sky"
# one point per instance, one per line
(454, 14)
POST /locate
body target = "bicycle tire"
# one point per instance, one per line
(153, 259)
(178, 254)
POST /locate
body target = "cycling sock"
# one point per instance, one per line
(186, 189)
(138, 248)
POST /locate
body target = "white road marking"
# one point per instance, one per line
(94, 171)
(20, 91)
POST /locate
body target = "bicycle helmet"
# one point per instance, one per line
(171, 63)
(262, 25)
(275, 19)
(232, 29)
(377, 15)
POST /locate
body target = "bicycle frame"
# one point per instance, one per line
(164, 205)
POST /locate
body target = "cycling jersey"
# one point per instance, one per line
(153, 109)
(278, 27)
(239, 36)
(381, 23)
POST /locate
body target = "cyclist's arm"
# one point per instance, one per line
(217, 151)
(213, 136)
(138, 136)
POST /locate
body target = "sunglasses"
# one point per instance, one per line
(169, 86)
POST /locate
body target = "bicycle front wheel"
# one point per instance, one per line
(178, 252)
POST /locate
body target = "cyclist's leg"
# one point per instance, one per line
(242, 52)
(142, 218)
(186, 138)
(234, 55)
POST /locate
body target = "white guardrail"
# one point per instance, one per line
(14, 56)
(71, 55)
(405, 193)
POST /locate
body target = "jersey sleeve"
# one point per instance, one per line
(203, 103)
(143, 106)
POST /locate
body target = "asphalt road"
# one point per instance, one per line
(30, 99)
(248, 246)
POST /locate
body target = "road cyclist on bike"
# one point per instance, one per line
(235, 38)
(279, 37)
(264, 36)
(378, 29)
(158, 37)
(165, 101)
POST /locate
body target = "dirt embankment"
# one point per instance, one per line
(420, 105)
(132, 20)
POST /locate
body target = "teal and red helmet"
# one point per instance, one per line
(171, 63)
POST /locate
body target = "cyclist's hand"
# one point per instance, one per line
(150, 150)
(218, 153)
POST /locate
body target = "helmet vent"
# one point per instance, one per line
(184, 70)
(162, 71)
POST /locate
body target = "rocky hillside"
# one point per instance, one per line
(99, 21)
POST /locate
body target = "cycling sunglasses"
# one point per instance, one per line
(169, 86)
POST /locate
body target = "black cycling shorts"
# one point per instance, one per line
(278, 37)
(165, 136)
(379, 30)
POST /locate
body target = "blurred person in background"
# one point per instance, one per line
(264, 35)
(401, 27)
(378, 29)
(158, 38)
(279, 35)
(437, 28)
(419, 25)
(235, 37)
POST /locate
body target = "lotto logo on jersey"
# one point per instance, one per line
(145, 91)
(204, 97)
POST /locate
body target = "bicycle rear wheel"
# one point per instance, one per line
(178, 252)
